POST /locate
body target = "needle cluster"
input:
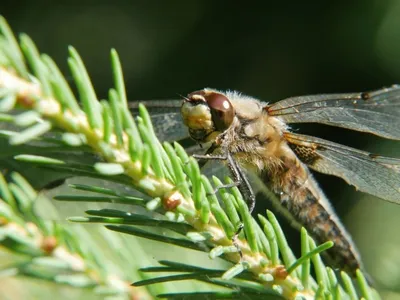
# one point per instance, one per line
(47, 119)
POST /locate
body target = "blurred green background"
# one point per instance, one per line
(267, 49)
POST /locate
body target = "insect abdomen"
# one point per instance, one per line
(299, 194)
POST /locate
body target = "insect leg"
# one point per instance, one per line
(210, 157)
(203, 159)
(240, 179)
(243, 182)
(239, 229)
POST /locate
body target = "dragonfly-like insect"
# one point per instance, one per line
(250, 134)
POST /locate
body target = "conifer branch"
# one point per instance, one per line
(129, 153)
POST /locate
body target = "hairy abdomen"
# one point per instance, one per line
(299, 194)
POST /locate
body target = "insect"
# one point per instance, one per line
(250, 134)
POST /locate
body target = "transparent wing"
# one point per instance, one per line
(166, 118)
(158, 106)
(169, 127)
(376, 112)
(373, 174)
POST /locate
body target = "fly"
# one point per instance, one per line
(250, 134)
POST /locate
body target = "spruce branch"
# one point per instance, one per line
(44, 250)
(35, 96)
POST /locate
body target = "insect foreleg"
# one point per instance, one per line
(210, 157)
(240, 179)
(244, 184)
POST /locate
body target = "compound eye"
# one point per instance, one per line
(221, 109)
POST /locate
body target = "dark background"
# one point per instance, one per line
(269, 50)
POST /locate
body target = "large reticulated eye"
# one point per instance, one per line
(221, 109)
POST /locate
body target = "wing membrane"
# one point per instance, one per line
(166, 118)
(169, 127)
(375, 175)
(376, 112)
(157, 106)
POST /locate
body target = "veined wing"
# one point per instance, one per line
(373, 174)
(169, 127)
(376, 112)
(166, 118)
(157, 106)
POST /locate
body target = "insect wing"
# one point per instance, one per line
(166, 118)
(369, 173)
(376, 112)
(169, 127)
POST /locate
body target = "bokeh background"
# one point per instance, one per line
(267, 49)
